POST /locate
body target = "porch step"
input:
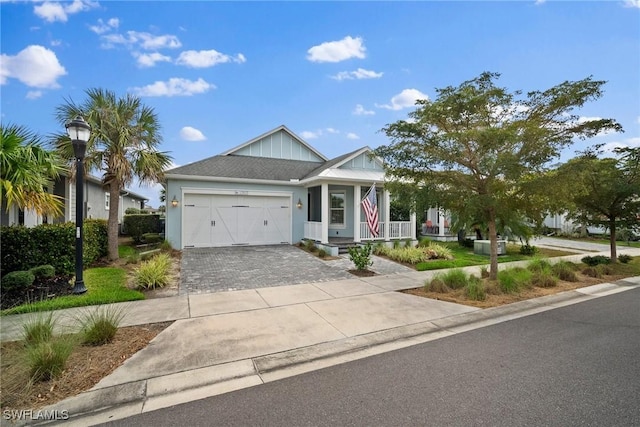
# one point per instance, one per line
(343, 248)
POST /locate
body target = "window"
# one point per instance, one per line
(337, 208)
(107, 200)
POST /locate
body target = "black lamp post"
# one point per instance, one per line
(79, 132)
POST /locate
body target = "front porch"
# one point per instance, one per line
(335, 211)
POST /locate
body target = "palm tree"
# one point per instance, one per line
(125, 135)
(26, 169)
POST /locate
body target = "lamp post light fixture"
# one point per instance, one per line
(79, 132)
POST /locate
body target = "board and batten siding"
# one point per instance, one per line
(279, 145)
(363, 161)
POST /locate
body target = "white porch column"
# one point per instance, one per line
(325, 202)
(413, 225)
(356, 213)
(387, 213)
(31, 218)
(440, 222)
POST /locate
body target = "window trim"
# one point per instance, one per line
(342, 224)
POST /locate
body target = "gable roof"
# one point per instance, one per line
(246, 167)
(283, 128)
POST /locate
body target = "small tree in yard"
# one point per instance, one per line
(361, 256)
(603, 192)
(483, 149)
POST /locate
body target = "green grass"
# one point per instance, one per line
(464, 257)
(126, 251)
(104, 285)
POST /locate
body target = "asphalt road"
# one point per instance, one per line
(578, 365)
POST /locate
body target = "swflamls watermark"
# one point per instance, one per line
(34, 414)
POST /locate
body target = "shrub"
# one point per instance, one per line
(16, 281)
(474, 289)
(43, 271)
(151, 238)
(322, 253)
(396, 244)
(132, 211)
(137, 225)
(154, 272)
(539, 265)
(23, 248)
(484, 271)
(38, 328)
(424, 242)
(361, 256)
(310, 245)
(624, 258)
(592, 272)
(467, 243)
(165, 246)
(513, 279)
(592, 261)
(99, 326)
(543, 279)
(48, 359)
(436, 285)
(381, 249)
(528, 249)
(455, 279)
(440, 252)
(605, 269)
(407, 243)
(564, 270)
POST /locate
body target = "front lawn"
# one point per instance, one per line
(464, 257)
(104, 285)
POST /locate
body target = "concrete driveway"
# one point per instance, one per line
(249, 267)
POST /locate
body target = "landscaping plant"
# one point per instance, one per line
(154, 272)
(361, 256)
(38, 328)
(99, 326)
(474, 289)
(47, 359)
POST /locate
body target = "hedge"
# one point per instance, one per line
(137, 225)
(23, 248)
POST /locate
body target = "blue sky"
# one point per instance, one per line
(221, 73)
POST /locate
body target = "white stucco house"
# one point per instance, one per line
(277, 189)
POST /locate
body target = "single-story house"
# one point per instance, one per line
(277, 189)
(96, 203)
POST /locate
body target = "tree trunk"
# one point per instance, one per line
(112, 224)
(493, 238)
(612, 241)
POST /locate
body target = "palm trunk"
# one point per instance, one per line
(112, 224)
(493, 238)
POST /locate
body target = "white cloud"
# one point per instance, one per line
(150, 59)
(627, 143)
(361, 111)
(35, 66)
(174, 87)
(405, 99)
(337, 51)
(539, 2)
(55, 11)
(34, 94)
(360, 73)
(103, 27)
(632, 3)
(307, 134)
(352, 135)
(332, 130)
(145, 41)
(206, 58)
(55, 43)
(189, 133)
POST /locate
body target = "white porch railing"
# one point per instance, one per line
(313, 230)
(397, 230)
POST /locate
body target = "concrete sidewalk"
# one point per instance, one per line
(226, 341)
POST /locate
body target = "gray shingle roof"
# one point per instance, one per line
(247, 167)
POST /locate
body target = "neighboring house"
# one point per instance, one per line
(275, 189)
(96, 204)
(563, 225)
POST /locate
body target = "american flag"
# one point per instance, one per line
(370, 206)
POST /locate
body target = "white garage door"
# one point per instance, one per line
(226, 220)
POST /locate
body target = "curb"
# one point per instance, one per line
(125, 400)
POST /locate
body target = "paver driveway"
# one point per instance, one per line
(249, 267)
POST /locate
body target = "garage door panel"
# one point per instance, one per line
(225, 220)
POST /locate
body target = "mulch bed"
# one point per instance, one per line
(42, 289)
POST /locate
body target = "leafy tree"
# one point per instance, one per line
(483, 148)
(603, 192)
(125, 136)
(26, 168)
